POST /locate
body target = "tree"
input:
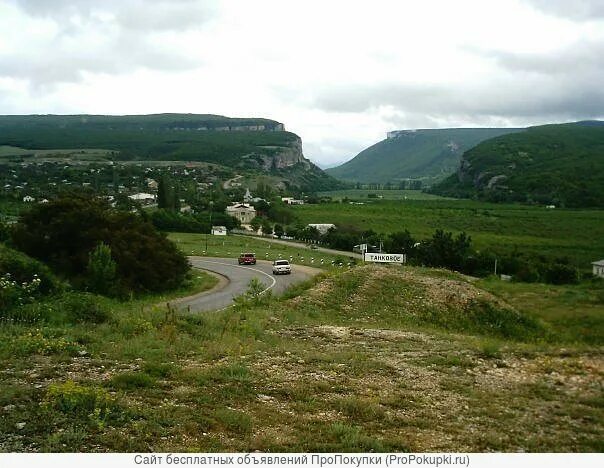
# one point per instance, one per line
(163, 193)
(400, 242)
(267, 227)
(443, 250)
(64, 231)
(101, 270)
(278, 229)
(256, 223)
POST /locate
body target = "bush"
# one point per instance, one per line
(557, 273)
(36, 342)
(101, 270)
(76, 400)
(132, 380)
(88, 404)
(83, 308)
(14, 294)
(65, 231)
(23, 269)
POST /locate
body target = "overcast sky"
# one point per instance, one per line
(338, 73)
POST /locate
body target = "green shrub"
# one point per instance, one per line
(132, 380)
(484, 317)
(135, 326)
(13, 293)
(37, 342)
(82, 308)
(23, 269)
(158, 370)
(64, 231)
(91, 405)
(101, 270)
(79, 401)
(558, 273)
(235, 421)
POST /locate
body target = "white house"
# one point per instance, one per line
(598, 268)
(219, 231)
(142, 197)
(292, 201)
(28, 199)
(242, 211)
(323, 228)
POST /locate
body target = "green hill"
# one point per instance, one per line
(552, 164)
(430, 154)
(255, 144)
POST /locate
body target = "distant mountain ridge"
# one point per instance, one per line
(255, 144)
(430, 154)
(558, 164)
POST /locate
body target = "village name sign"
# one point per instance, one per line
(385, 258)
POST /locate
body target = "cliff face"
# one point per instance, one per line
(279, 157)
(487, 179)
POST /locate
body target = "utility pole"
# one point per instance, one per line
(495, 267)
(211, 205)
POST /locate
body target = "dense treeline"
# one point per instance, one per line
(455, 252)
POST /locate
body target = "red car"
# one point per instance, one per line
(247, 259)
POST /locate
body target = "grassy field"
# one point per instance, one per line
(577, 234)
(367, 359)
(361, 194)
(80, 154)
(231, 246)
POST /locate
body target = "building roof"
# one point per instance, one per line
(240, 206)
(142, 196)
(598, 263)
(219, 227)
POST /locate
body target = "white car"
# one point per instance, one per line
(281, 267)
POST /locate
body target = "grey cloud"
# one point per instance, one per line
(575, 9)
(565, 84)
(145, 15)
(68, 65)
(581, 58)
(124, 29)
(509, 99)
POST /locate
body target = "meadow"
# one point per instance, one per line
(385, 194)
(232, 245)
(573, 233)
(366, 359)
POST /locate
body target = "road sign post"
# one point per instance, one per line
(384, 257)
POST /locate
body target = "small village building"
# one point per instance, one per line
(244, 212)
(598, 268)
(292, 201)
(219, 231)
(28, 199)
(323, 228)
(146, 198)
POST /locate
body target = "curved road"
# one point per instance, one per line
(235, 279)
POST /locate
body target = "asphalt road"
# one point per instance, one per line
(234, 280)
(301, 245)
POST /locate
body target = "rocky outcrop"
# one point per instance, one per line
(279, 157)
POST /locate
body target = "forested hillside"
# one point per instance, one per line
(429, 154)
(552, 164)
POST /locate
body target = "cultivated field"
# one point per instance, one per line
(576, 234)
(354, 194)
